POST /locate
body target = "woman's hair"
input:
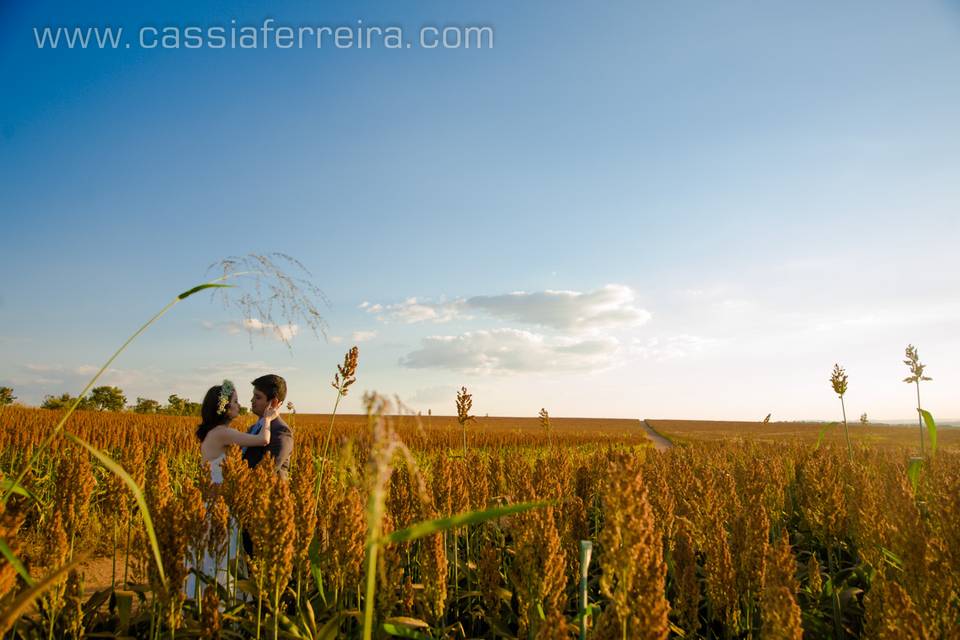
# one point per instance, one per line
(209, 413)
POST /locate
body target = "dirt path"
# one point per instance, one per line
(659, 442)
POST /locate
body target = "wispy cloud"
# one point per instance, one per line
(934, 313)
(610, 307)
(511, 351)
(411, 310)
(238, 367)
(433, 395)
(363, 336)
(79, 370)
(671, 347)
(282, 332)
(34, 380)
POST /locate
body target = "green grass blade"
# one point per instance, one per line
(9, 485)
(15, 562)
(399, 631)
(913, 471)
(116, 469)
(200, 287)
(428, 527)
(931, 429)
(823, 431)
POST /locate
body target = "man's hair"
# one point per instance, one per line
(272, 386)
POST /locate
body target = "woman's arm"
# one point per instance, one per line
(262, 439)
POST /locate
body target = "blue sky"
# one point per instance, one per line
(705, 205)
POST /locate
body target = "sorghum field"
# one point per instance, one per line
(763, 534)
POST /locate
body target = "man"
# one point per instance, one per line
(270, 391)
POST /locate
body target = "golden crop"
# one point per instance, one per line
(745, 530)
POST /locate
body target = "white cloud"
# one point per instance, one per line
(670, 348)
(283, 332)
(433, 395)
(609, 307)
(363, 336)
(255, 368)
(335, 339)
(38, 379)
(81, 370)
(889, 317)
(411, 311)
(511, 351)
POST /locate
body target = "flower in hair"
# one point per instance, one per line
(226, 393)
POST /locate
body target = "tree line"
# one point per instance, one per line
(106, 398)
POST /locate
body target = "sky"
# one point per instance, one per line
(653, 209)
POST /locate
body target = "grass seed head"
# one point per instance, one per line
(839, 380)
(211, 622)
(346, 373)
(544, 420)
(464, 404)
(916, 367)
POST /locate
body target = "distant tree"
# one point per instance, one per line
(863, 418)
(107, 399)
(6, 396)
(64, 401)
(175, 405)
(146, 405)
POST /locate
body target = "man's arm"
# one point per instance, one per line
(281, 446)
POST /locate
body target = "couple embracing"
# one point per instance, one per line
(270, 434)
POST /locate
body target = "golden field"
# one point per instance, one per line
(690, 431)
(747, 530)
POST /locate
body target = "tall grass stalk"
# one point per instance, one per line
(464, 404)
(838, 380)
(57, 429)
(916, 377)
(545, 423)
(586, 550)
(345, 376)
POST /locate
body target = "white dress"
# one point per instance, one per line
(209, 565)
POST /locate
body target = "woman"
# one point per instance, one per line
(220, 406)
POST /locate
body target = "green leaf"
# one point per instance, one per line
(15, 562)
(117, 470)
(403, 632)
(331, 629)
(913, 471)
(823, 431)
(408, 622)
(313, 553)
(429, 527)
(931, 429)
(210, 285)
(891, 558)
(124, 601)
(9, 485)
(307, 618)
